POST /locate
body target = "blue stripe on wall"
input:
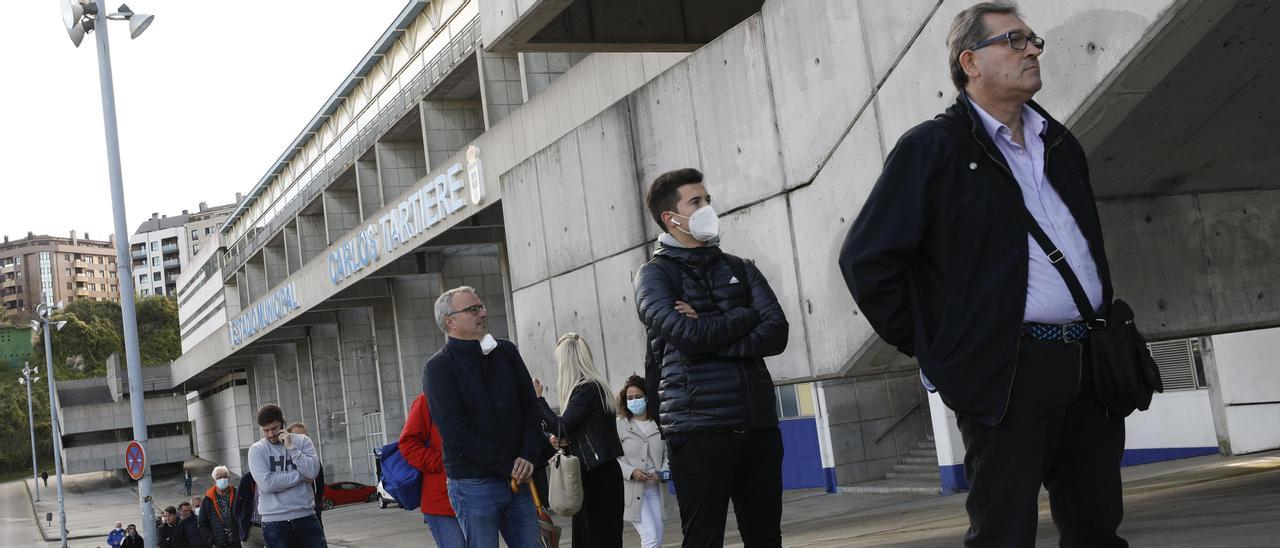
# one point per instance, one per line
(801, 458)
(1145, 456)
(953, 479)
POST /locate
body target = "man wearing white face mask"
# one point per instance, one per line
(711, 320)
(481, 398)
(217, 523)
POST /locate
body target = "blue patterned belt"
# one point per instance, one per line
(1067, 333)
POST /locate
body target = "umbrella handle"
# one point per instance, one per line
(533, 490)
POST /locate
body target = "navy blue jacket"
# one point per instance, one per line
(937, 258)
(485, 408)
(246, 503)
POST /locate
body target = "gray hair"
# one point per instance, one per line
(968, 29)
(444, 304)
(220, 468)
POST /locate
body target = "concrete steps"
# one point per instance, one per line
(917, 472)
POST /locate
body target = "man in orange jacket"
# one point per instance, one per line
(421, 446)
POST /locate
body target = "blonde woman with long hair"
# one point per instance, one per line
(586, 424)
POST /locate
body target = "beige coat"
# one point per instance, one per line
(649, 454)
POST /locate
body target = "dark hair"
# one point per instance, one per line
(664, 192)
(633, 380)
(969, 28)
(170, 510)
(184, 503)
(270, 413)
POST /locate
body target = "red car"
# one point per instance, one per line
(348, 492)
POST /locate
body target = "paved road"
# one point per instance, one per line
(17, 528)
(1204, 502)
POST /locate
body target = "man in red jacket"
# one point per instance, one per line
(421, 445)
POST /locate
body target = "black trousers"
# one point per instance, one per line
(1054, 432)
(712, 468)
(599, 523)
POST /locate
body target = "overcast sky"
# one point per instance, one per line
(207, 98)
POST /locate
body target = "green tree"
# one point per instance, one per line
(15, 444)
(94, 330)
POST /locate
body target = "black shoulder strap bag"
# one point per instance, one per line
(1124, 373)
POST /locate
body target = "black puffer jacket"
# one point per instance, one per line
(709, 373)
(591, 430)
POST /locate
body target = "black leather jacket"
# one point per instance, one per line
(590, 429)
(708, 374)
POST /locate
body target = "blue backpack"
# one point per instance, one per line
(399, 478)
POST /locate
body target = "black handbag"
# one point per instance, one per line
(1124, 373)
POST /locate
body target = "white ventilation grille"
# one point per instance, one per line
(1177, 363)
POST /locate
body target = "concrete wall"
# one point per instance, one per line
(110, 456)
(448, 127)
(369, 186)
(312, 237)
(1245, 390)
(400, 166)
(341, 211)
(223, 425)
(331, 427)
(540, 69)
(500, 85)
(861, 409)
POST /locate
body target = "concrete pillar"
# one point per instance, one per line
(233, 295)
(401, 164)
(946, 436)
(255, 270)
(396, 397)
(413, 318)
(312, 237)
(448, 126)
(501, 90)
(540, 69)
(332, 423)
(292, 250)
(265, 384)
(309, 412)
(367, 184)
(275, 262)
(341, 212)
(360, 376)
(289, 397)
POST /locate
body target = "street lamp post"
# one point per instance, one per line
(26, 380)
(46, 312)
(82, 16)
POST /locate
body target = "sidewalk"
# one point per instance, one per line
(1204, 501)
(96, 501)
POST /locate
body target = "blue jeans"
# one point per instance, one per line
(487, 506)
(445, 531)
(304, 532)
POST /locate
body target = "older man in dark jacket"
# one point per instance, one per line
(945, 262)
(711, 319)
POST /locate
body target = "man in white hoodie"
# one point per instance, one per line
(285, 467)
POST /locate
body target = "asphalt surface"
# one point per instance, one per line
(1203, 502)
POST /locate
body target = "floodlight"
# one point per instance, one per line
(139, 22)
(35, 326)
(60, 325)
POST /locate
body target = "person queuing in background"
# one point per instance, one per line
(943, 263)
(44, 475)
(481, 397)
(586, 425)
(168, 531)
(247, 513)
(186, 482)
(116, 536)
(196, 503)
(643, 463)
(711, 319)
(422, 447)
(285, 466)
(188, 534)
(218, 524)
(132, 539)
(300, 428)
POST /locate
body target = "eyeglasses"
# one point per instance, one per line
(473, 309)
(1017, 41)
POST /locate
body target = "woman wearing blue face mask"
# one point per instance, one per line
(643, 463)
(217, 518)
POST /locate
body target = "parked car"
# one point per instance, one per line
(348, 492)
(384, 498)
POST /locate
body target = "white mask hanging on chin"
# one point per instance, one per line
(704, 224)
(487, 344)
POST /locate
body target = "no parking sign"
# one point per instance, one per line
(135, 459)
